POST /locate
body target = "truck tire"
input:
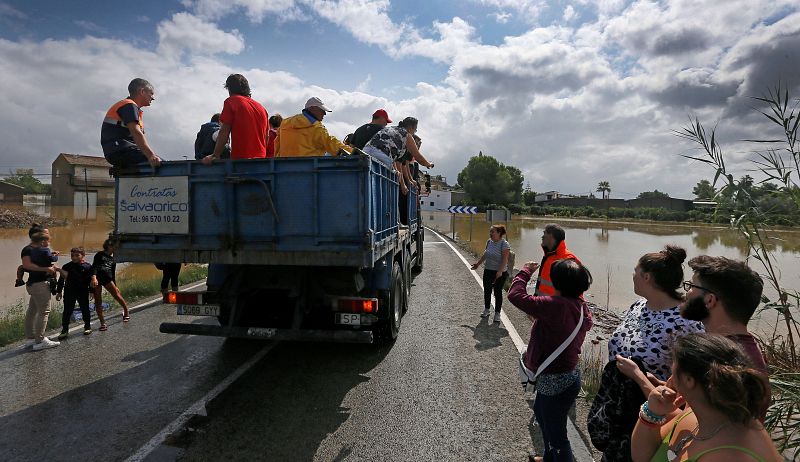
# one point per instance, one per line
(390, 327)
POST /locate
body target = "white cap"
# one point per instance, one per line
(316, 102)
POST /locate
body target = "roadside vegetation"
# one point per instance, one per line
(777, 159)
(12, 322)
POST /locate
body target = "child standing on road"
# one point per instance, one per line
(77, 279)
(105, 268)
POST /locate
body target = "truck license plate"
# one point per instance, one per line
(349, 319)
(199, 310)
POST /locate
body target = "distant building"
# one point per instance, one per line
(79, 180)
(547, 196)
(438, 200)
(439, 182)
(11, 194)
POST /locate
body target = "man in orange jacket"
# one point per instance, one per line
(554, 249)
(122, 133)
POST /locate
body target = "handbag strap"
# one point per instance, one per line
(561, 347)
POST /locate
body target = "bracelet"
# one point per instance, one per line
(647, 423)
(648, 416)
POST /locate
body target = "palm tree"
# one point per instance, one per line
(603, 187)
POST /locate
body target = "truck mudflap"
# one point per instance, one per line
(268, 333)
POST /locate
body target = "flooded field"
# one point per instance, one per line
(611, 249)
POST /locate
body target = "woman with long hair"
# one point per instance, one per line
(722, 393)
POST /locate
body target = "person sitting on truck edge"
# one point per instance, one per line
(207, 139)
(274, 123)
(365, 132)
(244, 120)
(122, 133)
(303, 135)
(395, 145)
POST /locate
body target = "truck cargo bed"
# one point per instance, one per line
(313, 211)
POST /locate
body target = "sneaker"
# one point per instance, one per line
(485, 314)
(64, 334)
(45, 344)
(87, 331)
(19, 282)
(497, 317)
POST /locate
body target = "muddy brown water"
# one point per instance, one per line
(611, 249)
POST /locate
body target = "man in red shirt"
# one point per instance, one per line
(244, 120)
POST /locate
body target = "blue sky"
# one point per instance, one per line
(571, 92)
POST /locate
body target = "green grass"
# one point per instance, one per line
(12, 323)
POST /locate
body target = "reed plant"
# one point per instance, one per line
(778, 160)
(591, 367)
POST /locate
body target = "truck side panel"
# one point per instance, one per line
(326, 211)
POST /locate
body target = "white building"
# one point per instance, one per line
(547, 196)
(438, 200)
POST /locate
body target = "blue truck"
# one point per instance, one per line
(305, 248)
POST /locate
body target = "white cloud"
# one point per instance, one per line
(11, 12)
(255, 10)
(363, 86)
(367, 20)
(569, 13)
(568, 106)
(501, 17)
(186, 32)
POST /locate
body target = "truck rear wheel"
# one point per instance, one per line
(390, 327)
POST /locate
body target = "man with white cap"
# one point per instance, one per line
(303, 135)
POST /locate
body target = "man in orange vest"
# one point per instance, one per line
(122, 132)
(554, 249)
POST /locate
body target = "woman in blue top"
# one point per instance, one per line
(495, 260)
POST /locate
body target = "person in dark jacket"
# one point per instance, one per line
(105, 269)
(554, 320)
(364, 133)
(207, 139)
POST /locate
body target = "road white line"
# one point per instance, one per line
(198, 407)
(138, 307)
(579, 449)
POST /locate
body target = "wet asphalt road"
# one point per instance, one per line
(445, 390)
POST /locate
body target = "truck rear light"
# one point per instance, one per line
(185, 298)
(357, 305)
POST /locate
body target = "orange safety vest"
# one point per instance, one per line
(544, 285)
(113, 118)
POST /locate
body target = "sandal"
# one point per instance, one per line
(126, 318)
(103, 327)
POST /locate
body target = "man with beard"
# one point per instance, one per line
(554, 249)
(723, 294)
